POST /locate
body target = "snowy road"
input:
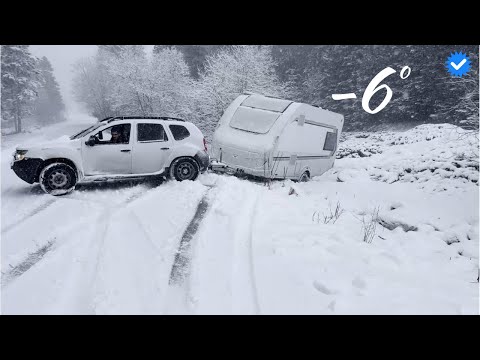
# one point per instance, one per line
(222, 245)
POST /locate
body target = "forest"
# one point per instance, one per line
(198, 82)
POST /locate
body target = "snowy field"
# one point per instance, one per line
(404, 241)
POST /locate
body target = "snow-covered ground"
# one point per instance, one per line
(253, 249)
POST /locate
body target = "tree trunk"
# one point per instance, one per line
(19, 121)
(15, 121)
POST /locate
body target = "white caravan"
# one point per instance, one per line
(275, 138)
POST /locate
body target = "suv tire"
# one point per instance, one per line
(58, 179)
(184, 168)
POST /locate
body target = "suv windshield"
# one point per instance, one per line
(86, 131)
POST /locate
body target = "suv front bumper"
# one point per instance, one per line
(27, 169)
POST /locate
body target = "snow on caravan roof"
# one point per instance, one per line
(266, 103)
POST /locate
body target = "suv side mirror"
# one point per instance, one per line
(91, 141)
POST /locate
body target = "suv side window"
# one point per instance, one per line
(179, 132)
(116, 134)
(151, 132)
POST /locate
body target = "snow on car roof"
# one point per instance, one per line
(266, 103)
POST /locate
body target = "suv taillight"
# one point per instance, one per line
(205, 144)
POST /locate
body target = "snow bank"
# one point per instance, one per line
(437, 157)
(109, 249)
(305, 266)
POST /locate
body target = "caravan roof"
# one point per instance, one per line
(266, 103)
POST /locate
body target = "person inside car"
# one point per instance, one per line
(117, 137)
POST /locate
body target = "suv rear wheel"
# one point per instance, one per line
(184, 168)
(58, 179)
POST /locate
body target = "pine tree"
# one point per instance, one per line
(49, 106)
(428, 95)
(196, 55)
(291, 64)
(19, 83)
(115, 50)
(158, 48)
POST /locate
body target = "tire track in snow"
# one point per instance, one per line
(180, 268)
(223, 280)
(25, 265)
(253, 281)
(99, 241)
(33, 212)
(33, 258)
(178, 293)
(47, 204)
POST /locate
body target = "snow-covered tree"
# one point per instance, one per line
(126, 76)
(150, 87)
(105, 51)
(49, 106)
(158, 48)
(92, 84)
(464, 110)
(171, 87)
(428, 95)
(228, 74)
(19, 83)
(91, 87)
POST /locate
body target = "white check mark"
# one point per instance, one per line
(457, 67)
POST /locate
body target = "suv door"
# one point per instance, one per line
(107, 156)
(151, 149)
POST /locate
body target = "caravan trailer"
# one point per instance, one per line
(275, 138)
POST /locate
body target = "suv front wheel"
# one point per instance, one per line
(58, 179)
(184, 168)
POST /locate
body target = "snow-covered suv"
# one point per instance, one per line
(115, 148)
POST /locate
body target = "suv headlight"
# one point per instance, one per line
(20, 155)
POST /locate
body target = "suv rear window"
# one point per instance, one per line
(151, 132)
(179, 132)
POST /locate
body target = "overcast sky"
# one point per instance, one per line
(62, 57)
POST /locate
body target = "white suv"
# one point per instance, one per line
(115, 148)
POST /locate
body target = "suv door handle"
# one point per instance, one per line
(165, 149)
(125, 150)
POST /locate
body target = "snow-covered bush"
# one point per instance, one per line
(332, 215)
(369, 226)
(438, 156)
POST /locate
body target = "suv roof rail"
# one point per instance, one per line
(107, 118)
(110, 119)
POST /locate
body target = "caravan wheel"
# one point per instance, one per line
(304, 177)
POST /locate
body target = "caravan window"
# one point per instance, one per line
(253, 120)
(330, 141)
